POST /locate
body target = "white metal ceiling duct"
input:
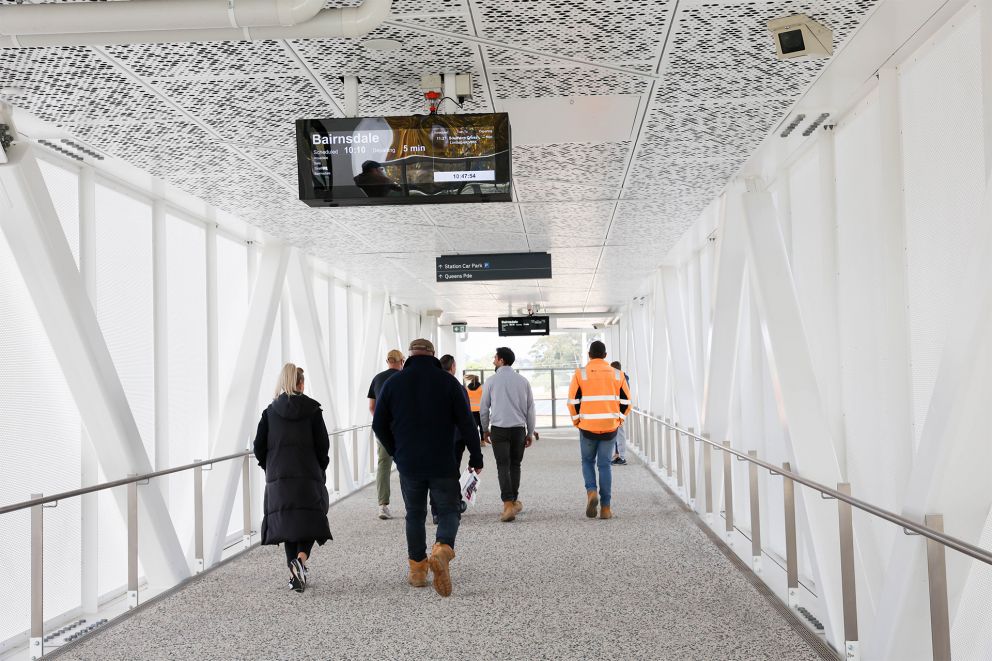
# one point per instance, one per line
(172, 21)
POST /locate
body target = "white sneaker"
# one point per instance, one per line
(384, 512)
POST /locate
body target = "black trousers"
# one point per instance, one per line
(508, 448)
(293, 549)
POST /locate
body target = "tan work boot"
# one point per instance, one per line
(418, 573)
(509, 511)
(592, 502)
(605, 512)
(441, 555)
(518, 506)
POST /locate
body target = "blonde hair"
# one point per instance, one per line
(289, 379)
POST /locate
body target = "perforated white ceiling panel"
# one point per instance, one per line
(216, 120)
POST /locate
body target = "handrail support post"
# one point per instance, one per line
(37, 643)
(728, 493)
(791, 552)
(667, 440)
(692, 468)
(132, 544)
(752, 475)
(847, 578)
(940, 630)
(246, 502)
(198, 564)
(708, 480)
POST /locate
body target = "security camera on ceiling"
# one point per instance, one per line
(801, 36)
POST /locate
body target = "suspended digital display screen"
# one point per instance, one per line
(516, 326)
(424, 159)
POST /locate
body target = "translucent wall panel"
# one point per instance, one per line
(186, 302)
(232, 306)
(340, 359)
(124, 310)
(941, 106)
(40, 428)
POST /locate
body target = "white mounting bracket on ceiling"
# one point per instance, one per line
(351, 84)
(8, 132)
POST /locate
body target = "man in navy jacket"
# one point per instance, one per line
(415, 419)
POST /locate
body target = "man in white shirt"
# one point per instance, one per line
(508, 404)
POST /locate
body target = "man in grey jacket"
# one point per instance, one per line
(508, 404)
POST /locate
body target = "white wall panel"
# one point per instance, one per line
(124, 310)
(944, 181)
(40, 428)
(186, 301)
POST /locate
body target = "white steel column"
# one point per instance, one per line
(160, 316)
(239, 415)
(797, 393)
(213, 353)
(348, 399)
(89, 529)
(659, 353)
(28, 219)
(300, 279)
(721, 374)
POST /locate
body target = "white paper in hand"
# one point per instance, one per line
(470, 486)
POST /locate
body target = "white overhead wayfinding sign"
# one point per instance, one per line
(497, 266)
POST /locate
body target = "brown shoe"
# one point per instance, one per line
(509, 511)
(418, 573)
(441, 555)
(592, 502)
(605, 512)
(518, 506)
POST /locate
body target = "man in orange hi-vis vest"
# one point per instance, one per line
(598, 399)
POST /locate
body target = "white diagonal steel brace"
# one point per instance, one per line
(240, 414)
(796, 393)
(950, 470)
(368, 353)
(32, 228)
(300, 278)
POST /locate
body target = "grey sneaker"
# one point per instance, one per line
(384, 512)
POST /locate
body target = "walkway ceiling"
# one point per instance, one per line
(628, 119)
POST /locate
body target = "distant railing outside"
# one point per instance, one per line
(38, 503)
(550, 386)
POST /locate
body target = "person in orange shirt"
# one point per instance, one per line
(598, 400)
(474, 388)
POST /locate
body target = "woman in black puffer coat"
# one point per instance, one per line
(291, 446)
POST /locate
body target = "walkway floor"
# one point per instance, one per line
(553, 584)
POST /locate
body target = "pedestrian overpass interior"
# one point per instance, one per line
(790, 257)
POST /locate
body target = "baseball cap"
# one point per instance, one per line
(395, 356)
(421, 344)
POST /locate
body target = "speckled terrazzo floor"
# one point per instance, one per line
(553, 584)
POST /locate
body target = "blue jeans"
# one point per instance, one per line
(446, 493)
(597, 453)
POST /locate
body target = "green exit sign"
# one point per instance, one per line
(459, 327)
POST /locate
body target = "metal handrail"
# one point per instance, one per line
(37, 504)
(959, 545)
(6, 509)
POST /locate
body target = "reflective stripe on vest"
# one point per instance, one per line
(599, 398)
